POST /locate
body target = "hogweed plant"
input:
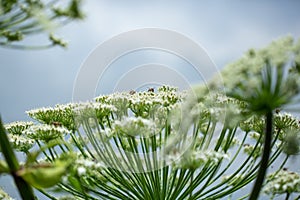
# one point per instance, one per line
(167, 144)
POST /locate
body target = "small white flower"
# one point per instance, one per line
(88, 163)
(81, 171)
(277, 186)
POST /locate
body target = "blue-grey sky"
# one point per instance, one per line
(31, 79)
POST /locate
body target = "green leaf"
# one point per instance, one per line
(43, 175)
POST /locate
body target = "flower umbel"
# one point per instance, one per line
(281, 182)
(46, 133)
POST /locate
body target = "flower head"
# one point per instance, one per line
(135, 126)
(93, 110)
(284, 181)
(58, 115)
(193, 159)
(21, 142)
(45, 132)
(18, 127)
(261, 76)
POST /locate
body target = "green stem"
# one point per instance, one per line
(24, 188)
(287, 196)
(265, 158)
(191, 184)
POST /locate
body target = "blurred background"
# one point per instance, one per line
(31, 79)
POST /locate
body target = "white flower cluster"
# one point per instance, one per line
(65, 115)
(87, 170)
(135, 126)
(93, 110)
(4, 195)
(119, 100)
(142, 103)
(193, 159)
(45, 132)
(96, 106)
(41, 113)
(247, 70)
(265, 79)
(85, 166)
(215, 107)
(286, 120)
(281, 182)
(17, 127)
(21, 143)
(58, 115)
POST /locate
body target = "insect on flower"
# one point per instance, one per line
(132, 92)
(151, 89)
(56, 123)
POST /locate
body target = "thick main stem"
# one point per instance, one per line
(287, 196)
(265, 158)
(24, 188)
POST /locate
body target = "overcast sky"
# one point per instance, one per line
(31, 79)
